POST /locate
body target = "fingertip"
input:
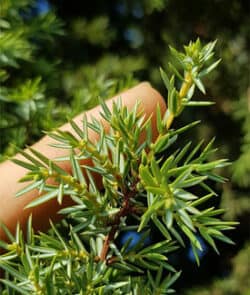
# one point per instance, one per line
(144, 84)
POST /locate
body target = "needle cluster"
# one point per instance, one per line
(145, 186)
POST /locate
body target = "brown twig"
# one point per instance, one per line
(126, 208)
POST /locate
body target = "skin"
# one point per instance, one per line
(12, 209)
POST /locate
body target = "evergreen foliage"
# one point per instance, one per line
(145, 34)
(83, 256)
(47, 78)
(30, 78)
(23, 100)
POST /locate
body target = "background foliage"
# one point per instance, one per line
(54, 67)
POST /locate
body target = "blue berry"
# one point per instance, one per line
(134, 237)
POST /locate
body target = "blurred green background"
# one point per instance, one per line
(58, 56)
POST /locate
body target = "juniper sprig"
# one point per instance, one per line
(144, 184)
